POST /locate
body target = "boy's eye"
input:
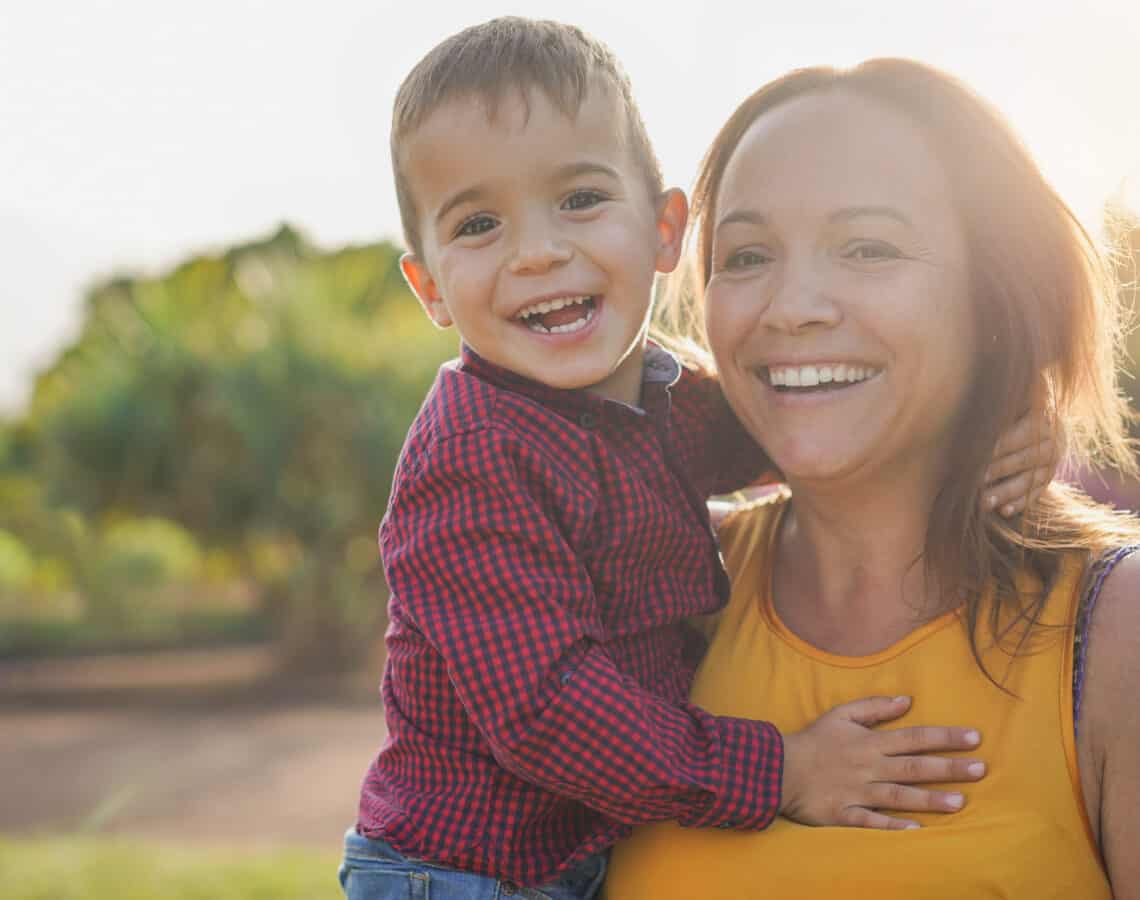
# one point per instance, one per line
(872, 251)
(476, 225)
(583, 199)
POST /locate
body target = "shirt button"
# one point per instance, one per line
(588, 420)
(509, 888)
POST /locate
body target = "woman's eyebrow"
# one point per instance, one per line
(742, 216)
(858, 212)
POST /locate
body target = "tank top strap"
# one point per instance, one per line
(1099, 572)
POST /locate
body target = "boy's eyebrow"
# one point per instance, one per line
(586, 167)
(570, 170)
(471, 193)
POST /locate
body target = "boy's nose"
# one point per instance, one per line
(538, 255)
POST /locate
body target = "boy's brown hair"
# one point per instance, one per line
(486, 62)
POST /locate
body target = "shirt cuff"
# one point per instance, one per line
(752, 768)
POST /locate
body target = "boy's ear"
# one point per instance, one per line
(419, 279)
(672, 215)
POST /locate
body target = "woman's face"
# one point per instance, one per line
(838, 307)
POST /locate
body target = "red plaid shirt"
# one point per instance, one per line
(543, 548)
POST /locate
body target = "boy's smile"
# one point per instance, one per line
(540, 237)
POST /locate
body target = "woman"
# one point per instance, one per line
(886, 276)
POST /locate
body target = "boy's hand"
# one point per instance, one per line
(1025, 460)
(837, 771)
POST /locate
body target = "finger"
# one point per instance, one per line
(873, 710)
(860, 817)
(925, 769)
(925, 738)
(1039, 455)
(1014, 494)
(1022, 434)
(884, 795)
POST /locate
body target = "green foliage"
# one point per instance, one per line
(119, 869)
(257, 398)
(16, 563)
(48, 636)
(148, 553)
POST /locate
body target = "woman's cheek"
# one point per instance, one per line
(726, 315)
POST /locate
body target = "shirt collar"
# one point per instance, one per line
(660, 371)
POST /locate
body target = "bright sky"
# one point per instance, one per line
(136, 132)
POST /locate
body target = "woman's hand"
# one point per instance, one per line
(838, 771)
(1024, 462)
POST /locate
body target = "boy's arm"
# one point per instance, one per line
(477, 549)
(720, 456)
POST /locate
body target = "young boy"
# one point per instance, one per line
(547, 534)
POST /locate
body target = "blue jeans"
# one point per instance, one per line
(374, 870)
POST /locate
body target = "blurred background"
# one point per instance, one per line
(208, 360)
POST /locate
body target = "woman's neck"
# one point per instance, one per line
(849, 573)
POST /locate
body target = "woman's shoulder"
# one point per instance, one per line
(1113, 644)
(1109, 723)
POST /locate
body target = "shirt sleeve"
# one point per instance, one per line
(478, 547)
(719, 455)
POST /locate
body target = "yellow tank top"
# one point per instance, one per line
(1023, 833)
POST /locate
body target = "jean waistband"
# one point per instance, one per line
(355, 844)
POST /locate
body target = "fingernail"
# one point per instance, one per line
(955, 801)
(1007, 510)
(992, 501)
(901, 698)
(913, 826)
(972, 737)
(976, 770)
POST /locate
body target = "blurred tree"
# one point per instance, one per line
(16, 563)
(258, 397)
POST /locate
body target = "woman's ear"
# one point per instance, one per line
(672, 215)
(420, 280)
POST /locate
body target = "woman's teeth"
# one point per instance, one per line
(560, 316)
(813, 376)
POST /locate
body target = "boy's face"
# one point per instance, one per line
(540, 238)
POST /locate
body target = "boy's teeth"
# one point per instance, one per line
(547, 306)
(576, 325)
(813, 376)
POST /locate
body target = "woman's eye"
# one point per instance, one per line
(872, 251)
(476, 225)
(583, 199)
(746, 259)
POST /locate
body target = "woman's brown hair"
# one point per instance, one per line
(1044, 303)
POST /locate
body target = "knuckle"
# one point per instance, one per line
(925, 737)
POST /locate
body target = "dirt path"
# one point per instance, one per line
(195, 747)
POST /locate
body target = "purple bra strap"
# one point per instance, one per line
(1103, 568)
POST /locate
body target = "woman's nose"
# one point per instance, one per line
(804, 299)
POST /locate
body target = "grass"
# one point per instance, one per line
(46, 637)
(102, 868)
